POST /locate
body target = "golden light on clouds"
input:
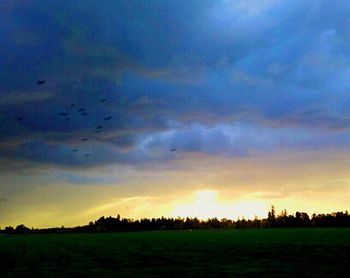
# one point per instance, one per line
(203, 187)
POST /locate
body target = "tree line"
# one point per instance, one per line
(118, 224)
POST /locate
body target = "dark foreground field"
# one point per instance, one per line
(214, 253)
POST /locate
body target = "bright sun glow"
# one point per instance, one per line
(205, 197)
(207, 204)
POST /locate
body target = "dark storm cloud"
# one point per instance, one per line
(174, 74)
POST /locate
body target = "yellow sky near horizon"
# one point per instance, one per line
(210, 187)
(201, 204)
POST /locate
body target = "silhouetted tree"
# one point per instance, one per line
(22, 229)
(271, 217)
(119, 224)
(9, 229)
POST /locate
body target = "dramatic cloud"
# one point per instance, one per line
(213, 64)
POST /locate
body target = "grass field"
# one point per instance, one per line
(206, 253)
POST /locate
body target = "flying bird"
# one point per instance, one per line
(173, 149)
(87, 155)
(102, 100)
(99, 129)
(108, 118)
(84, 139)
(18, 119)
(72, 105)
(40, 82)
(63, 114)
(75, 150)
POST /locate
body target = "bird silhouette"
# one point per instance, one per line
(173, 149)
(19, 119)
(84, 139)
(75, 150)
(87, 155)
(102, 100)
(108, 118)
(40, 82)
(63, 114)
(72, 105)
(99, 127)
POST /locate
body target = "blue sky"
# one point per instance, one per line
(216, 80)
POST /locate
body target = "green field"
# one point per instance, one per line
(206, 253)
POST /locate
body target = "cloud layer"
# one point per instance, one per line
(202, 77)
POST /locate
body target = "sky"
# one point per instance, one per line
(172, 108)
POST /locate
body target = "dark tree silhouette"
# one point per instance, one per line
(119, 224)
